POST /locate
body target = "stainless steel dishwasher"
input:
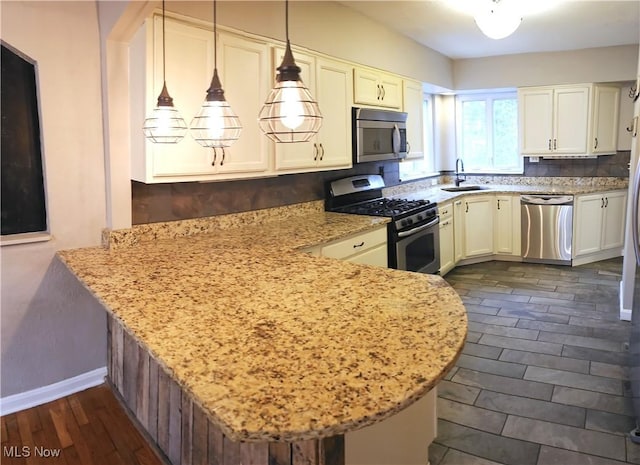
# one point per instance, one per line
(547, 228)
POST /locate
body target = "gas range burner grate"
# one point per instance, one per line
(385, 207)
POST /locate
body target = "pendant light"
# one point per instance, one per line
(289, 114)
(500, 20)
(164, 125)
(215, 125)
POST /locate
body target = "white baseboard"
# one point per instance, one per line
(42, 395)
(625, 313)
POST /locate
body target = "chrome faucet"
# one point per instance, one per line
(459, 163)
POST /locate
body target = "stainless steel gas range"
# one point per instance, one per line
(413, 233)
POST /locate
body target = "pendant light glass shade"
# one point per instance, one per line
(164, 125)
(499, 21)
(290, 114)
(216, 124)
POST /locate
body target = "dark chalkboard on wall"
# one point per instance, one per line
(22, 189)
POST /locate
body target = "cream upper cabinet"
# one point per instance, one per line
(580, 119)
(599, 222)
(554, 120)
(330, 84)
(412, 104)
(189, 69)
(377, 88)
(506, 225)
(604, 122)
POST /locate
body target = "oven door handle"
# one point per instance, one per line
(413, 231)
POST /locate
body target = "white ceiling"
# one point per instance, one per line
(570, 25)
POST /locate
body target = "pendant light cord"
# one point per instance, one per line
(215, 36)
(164, 59)
(286, 18)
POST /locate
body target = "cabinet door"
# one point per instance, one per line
(244, 67)
(606, 112)
(391, 87)
(447, 258)
(478, 225)
(614, 219)
(413, 106)
(587, 221)
(303, 154)
(458, 230)
(535, 110)
(503, 225)
(189, 67)
(571, 119)
(335, 94)
(376, 256)
(366, 87)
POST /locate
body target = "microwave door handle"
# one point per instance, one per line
(395, 143)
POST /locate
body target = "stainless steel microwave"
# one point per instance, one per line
(379, 135)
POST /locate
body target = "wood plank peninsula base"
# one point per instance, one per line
(180, 427)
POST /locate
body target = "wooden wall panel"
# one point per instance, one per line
(180, 427)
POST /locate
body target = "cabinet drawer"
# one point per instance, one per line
(445, 211)
(355, 244)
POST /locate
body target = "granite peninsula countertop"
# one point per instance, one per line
(275, 344)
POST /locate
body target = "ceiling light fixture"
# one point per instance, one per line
(215, 125)
(289, 114)
(499, 20)
(164, 125)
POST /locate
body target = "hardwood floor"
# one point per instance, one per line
(86, 428)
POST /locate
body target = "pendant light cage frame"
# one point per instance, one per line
(290, 114)
(215, 125)
(164, 125)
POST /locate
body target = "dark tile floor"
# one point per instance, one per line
(543, 377)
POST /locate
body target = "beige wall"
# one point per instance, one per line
(607, 64)
(51, 328)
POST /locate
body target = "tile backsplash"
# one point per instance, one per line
(154, 203)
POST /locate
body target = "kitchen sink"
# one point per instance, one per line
(463, 188)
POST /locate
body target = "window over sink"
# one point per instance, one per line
(487, 132)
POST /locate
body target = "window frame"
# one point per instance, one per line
(489, 98)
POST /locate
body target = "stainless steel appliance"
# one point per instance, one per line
(547, 228)
(412, 235)
(379, 135)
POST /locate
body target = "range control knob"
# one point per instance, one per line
(410, 221)
(420, 218)
(403, 223)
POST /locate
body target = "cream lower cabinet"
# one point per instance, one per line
(478, 225)
(189, 68)
(599, 222)
(458, 230)
(506, 225)
(447, 240)
(368, 248)
(330, 83)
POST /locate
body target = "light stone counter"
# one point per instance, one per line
(274, 344)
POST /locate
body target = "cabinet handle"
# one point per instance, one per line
(315, 151)
(379, 93)
(458, 202)
(602, 202)
(498, 204)
(467, 204)
(549, 145)
(555, 144)
(596, 146)
(321, 151)
(606, 202)
(215, 156)
(444, 212)
(223, 155)
(384, 92)
(355, 246)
